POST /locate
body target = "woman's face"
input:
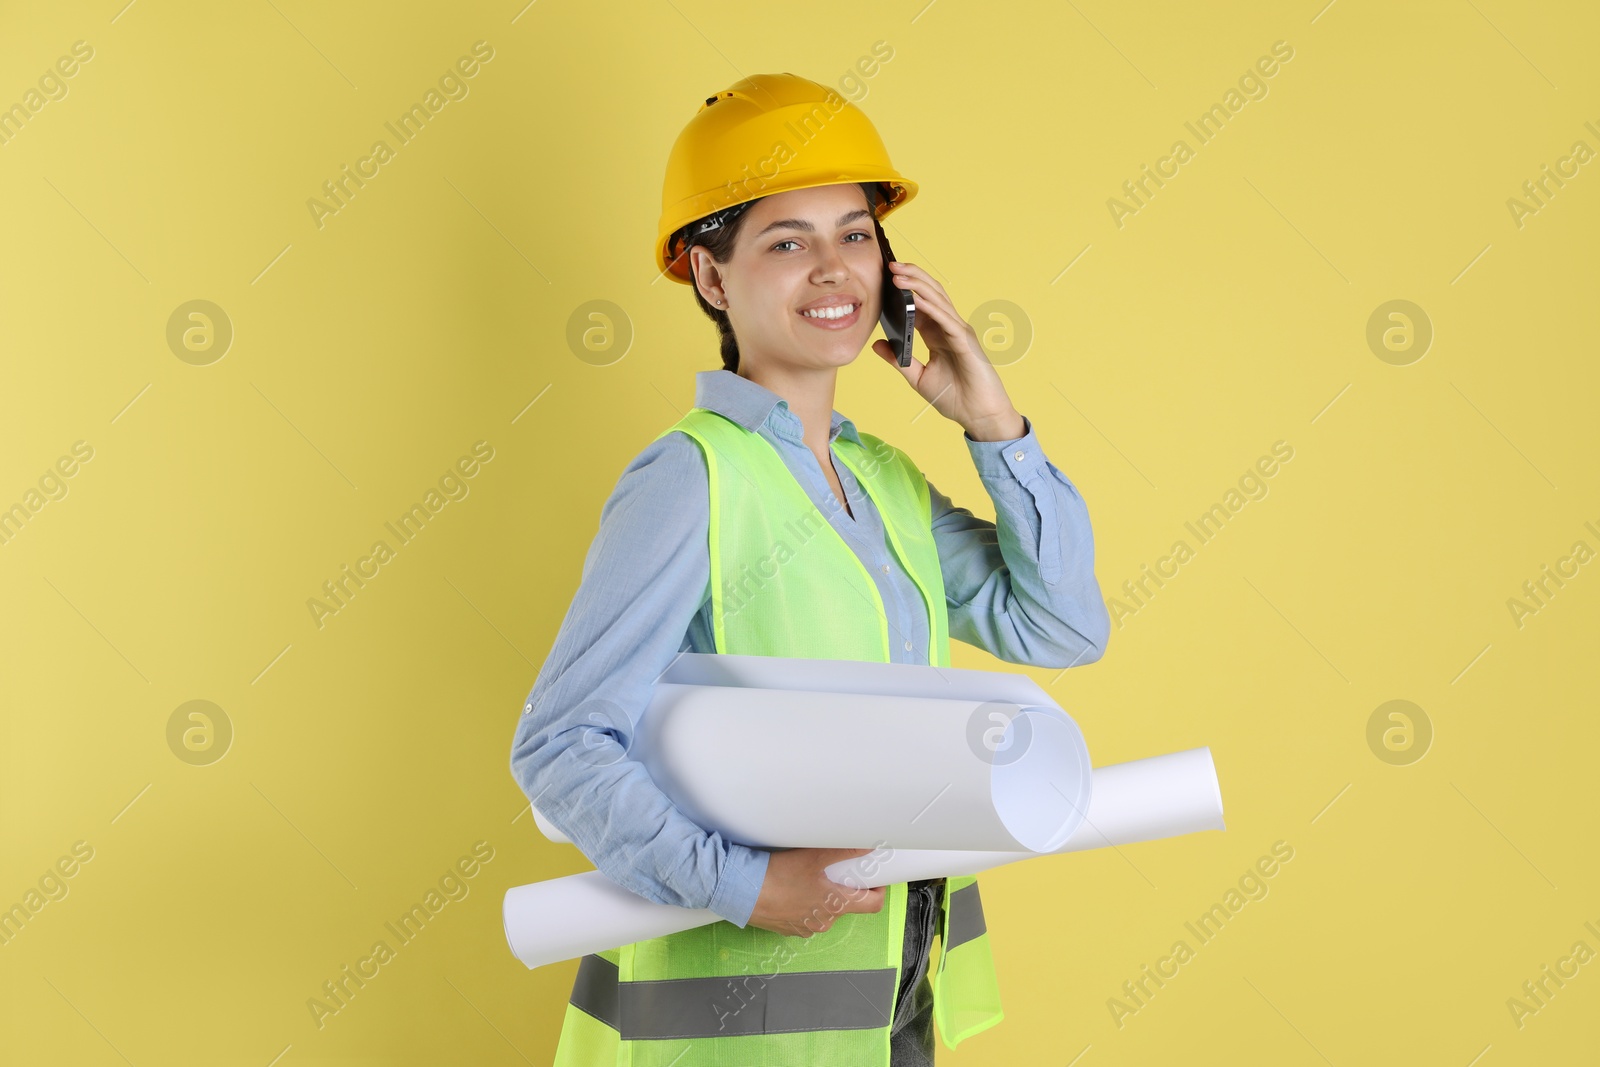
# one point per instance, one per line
(798, 250)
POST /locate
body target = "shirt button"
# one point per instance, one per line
(886, 568)
(722, 953)
(908, 646)
(1018, 455)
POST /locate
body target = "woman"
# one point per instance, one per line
(764, 522)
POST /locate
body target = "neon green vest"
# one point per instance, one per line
(783, 583)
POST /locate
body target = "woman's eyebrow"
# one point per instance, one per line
(805, 224)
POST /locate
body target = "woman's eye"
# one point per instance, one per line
(858, 233)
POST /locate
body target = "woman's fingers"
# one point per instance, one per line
(915, 271)
(925, 285)
(934, 306)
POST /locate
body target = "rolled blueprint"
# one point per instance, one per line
(774, 752)
(1142, 800)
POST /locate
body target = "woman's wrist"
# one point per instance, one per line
(1006, 427)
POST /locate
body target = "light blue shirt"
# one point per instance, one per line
(1021, 588)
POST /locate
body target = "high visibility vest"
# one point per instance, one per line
(784, 583)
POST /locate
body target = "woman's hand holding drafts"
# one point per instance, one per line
(798, 899)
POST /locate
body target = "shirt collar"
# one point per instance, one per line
(751, 405)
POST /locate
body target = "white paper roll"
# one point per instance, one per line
(784, 768)
(1142, 800)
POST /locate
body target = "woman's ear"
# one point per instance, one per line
(707, 278)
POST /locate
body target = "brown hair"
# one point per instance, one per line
(719, 242)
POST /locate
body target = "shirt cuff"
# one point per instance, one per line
(1000, 459)
(739, 884)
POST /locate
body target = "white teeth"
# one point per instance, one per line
(830, 313)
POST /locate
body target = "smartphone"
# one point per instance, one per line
(899, 314)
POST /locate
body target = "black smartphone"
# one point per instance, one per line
(899, 314)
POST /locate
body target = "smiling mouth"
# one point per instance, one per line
(831, 319)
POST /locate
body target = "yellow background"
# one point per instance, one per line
(431, 312)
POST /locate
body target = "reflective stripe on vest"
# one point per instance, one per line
(966, 916)
(846, 1000)
(785, 583)
(676, 1007)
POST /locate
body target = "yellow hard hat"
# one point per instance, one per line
(768, 133)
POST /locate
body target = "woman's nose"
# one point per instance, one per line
(830, 263)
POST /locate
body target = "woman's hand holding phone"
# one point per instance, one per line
(958, 380)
